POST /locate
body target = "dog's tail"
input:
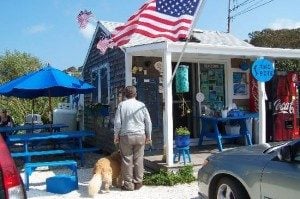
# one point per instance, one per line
(95, 184)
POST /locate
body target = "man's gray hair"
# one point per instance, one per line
(130, 92)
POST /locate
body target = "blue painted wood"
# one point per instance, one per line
(53, 152)
(147, 89)
(29, 127)
(210, 128)
(182, 151)
(30, 168)
(41, 137)
(49, 135)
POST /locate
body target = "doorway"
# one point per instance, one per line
(184, 103)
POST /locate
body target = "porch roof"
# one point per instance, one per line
(212, 44)
(197, 51)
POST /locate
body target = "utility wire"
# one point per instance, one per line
(241, 4)
(250, 8)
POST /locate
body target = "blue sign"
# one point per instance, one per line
(262, 70)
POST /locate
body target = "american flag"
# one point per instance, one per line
(83, 18)
(170, 19)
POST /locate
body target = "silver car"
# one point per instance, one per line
(259, 171)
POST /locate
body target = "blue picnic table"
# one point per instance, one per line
(32, 127)
(211, 130)
(26, 139)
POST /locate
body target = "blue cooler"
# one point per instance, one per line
(61, 184)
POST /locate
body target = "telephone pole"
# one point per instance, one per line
(229, 16)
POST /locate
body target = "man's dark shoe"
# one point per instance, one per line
(137, 186)
(123, 188)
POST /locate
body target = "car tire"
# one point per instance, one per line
(230, 189)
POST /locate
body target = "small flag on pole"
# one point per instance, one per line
(83, 18)
(170, 19)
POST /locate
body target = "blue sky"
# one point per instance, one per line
(48, 29)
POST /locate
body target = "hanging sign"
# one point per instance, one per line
(262, 70)
(200, 97)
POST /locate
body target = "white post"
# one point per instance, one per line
(262, 112)
(168, 107)
(128, 69)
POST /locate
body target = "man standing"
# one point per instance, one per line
(132, 128)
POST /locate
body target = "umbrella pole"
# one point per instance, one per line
(50, 108)
(32, 109)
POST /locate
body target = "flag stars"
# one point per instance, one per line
(177, 7)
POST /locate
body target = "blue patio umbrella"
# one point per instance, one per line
(47, 81)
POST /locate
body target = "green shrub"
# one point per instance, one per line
(167, 178)
(182, 131)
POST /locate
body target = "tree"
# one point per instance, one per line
(284, 38)
(13, 65)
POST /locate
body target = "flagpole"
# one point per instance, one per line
(198, 11)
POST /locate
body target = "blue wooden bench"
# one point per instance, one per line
(30, 167)
(75, 136)
(29, 154)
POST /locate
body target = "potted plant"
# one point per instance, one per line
(182, 137)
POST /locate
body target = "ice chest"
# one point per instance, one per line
(232, 130)
(61, 184)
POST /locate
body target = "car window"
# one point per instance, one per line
(275, 147)
(297, 158)
(297, 152)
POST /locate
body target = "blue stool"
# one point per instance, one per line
(184, 152)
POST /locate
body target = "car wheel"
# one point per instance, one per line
(228, 188)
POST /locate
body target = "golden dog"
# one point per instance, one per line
(107, 170)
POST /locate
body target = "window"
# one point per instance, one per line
(101, 80)
(96, 85)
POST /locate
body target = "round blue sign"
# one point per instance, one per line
(262, 70)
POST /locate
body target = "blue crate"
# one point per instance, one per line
(61, 184)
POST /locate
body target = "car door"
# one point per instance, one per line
(281, 179)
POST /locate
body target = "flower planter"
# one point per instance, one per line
(182, 141)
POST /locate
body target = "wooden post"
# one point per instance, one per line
(168, 107)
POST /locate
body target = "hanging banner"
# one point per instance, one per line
(253, 96)
(182, 79)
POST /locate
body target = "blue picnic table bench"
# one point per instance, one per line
(30, 167)
(26, 139)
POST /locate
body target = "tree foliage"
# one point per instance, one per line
(284, 38)
(15, 64)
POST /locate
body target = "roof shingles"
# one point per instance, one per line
(205, 37)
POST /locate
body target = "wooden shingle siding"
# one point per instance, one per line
(116, 61)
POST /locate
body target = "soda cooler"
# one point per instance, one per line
(283, 107)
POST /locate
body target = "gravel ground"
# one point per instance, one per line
(38, 189)
(38, 178)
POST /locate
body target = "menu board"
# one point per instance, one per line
(212, 85)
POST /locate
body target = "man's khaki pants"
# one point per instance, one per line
(132, 152)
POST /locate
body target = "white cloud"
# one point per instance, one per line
(37, 29)
(284, 24)
(88, 31)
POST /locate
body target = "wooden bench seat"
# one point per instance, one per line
(29, 154)
(53, 152)
(30, 167)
